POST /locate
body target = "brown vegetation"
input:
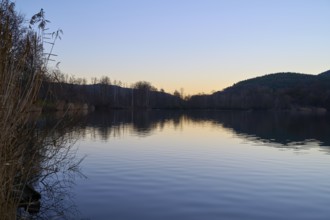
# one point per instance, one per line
(27, 154)
(20, 80)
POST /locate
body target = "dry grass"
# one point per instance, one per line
(21, 71)
(28, 155)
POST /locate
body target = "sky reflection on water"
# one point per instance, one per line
(204, 165)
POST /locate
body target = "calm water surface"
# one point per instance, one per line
(203, 165)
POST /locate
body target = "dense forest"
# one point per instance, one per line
(278, 91)
(103, 95)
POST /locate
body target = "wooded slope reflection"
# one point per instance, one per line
(279, 128)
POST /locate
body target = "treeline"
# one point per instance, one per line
(279, 91)
(59, 91)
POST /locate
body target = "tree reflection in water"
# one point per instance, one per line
(50, 167)
(280, 129)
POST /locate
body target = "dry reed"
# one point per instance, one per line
(22, 69)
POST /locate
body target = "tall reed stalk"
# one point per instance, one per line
(21, 72)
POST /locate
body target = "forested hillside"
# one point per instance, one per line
(106, 96)
(278, 91)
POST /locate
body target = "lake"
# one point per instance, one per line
(202, 165)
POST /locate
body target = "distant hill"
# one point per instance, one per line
(274, 81)
(326, 74)
(281, 91)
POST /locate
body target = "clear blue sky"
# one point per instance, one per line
(198, 45)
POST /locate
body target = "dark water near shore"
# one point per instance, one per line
(203, 165)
